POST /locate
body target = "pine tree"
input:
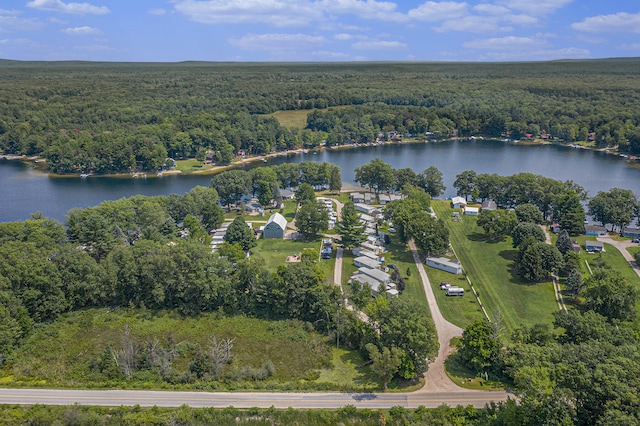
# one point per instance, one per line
(564, 243)
(350, 227)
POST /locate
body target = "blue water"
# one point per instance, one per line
(25, 190)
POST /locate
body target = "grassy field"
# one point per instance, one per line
(62, 353)
(188, 166)
(490, 266)
(292, 118)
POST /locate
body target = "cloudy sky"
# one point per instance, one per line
(318, 30)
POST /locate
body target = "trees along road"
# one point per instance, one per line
(438, 389)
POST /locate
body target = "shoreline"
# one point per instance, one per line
(40, 162)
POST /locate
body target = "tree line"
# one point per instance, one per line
(109, 118)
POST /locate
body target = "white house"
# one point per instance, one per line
(458, 202)
(367, 209)
(275, 227)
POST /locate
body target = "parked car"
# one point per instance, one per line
(444, 285)
(636, 240)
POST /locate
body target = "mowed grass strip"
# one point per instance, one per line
(491, 267)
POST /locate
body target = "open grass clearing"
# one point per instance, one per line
(466, 378)
(62, 353)
(345, 372)
(490, 266)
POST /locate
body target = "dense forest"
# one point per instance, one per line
(112, 117)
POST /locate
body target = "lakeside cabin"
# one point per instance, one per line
(444, 264)
(630, 232)
(595, 230)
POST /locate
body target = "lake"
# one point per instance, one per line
(26, 190)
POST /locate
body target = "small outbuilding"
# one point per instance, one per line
(471, 211)
(275, 227)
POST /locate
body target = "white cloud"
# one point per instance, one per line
(506, 43)
(342, 37)
(276, 41)
(369, 9)
(431, 11)
(378, 44)
(632, 46)
(75, 8)
(535, 7)
(81, 31)
(157, 12)
(10, 22)
(541, 55)
(278, 13)
(9, 12)
(618, 22)
(326, 55)
(474, 24)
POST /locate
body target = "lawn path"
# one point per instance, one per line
(556, 285)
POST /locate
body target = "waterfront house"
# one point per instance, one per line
(631, 232)
(595, 230)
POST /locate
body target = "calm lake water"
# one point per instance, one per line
(25, 190)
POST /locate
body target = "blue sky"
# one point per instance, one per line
(318, 30)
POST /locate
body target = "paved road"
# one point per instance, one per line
(240, 399)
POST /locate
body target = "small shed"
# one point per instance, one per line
(595, 230)
(555, 228)
(458, 202)
(444, 264)
(471, 211)
(593, 246)
(631, 232)
(275, 227)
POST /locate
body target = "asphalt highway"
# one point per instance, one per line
(245, 399)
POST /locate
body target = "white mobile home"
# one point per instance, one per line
(367, 262)
(444, 264)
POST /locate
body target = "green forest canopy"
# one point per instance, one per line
(117, 117)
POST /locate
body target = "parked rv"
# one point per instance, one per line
(455, 291)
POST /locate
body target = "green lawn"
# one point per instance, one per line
(490, 266)
(344, 372)
(274, 252)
